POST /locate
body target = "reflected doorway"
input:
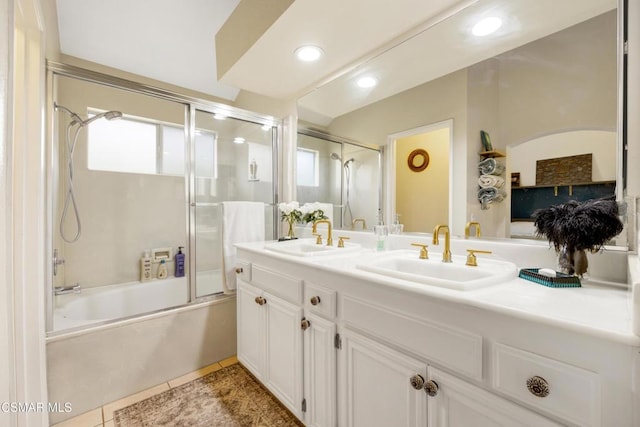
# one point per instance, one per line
(420, 170)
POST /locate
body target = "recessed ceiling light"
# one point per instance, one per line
(238, 140)
(366, 82)
(486, 26)
(308, 53)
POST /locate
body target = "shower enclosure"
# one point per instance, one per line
(143, 186)
(341, 173)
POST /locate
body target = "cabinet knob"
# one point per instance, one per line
(261, 300)
(538, 386)
(417, 382)
(239, 270)
(315, 300)
(304, 324)
(431, 388)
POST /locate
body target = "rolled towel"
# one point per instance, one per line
(490, 166)
(489, 195)
(491, 181)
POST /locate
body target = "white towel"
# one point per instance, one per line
(241, 222)
(491, 181)
(327, 208)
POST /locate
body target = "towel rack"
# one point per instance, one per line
(205, 204)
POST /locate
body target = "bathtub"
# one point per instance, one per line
(113, 341)
(125, 300)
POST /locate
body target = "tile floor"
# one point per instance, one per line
(103, 417)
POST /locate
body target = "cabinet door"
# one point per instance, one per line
(460, 404)
(284, 352)
(376, 386)
(251, 331)
(320, 372)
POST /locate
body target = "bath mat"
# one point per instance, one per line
(230, 397)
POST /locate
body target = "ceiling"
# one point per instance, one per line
(166, 40)
(174, 41)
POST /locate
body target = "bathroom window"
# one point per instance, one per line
(147, 147)
(308, 174)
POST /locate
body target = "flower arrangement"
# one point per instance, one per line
(293, 213)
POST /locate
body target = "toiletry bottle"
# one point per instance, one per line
(381, 231)
(162, 270)
(145, 267)
(179, 261)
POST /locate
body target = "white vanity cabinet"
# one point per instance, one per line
(289, 349)
(270, 343)
(457, 403)
(375, 387)
(343, 349)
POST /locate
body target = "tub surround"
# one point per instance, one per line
(481, 345)
(94, 366)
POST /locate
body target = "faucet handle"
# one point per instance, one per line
(341, 240)
(318, 238)
(472, 261)
(423, 250)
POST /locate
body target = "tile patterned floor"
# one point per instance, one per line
(103, 417)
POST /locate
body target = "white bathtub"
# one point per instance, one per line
(93, 364)
(103, 303)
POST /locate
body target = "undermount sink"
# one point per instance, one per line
(308, 247)
(406, 265)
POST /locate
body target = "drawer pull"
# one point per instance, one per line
(239, 270)
(315, 300)
(304, 324)
(431, 388)
(538, 386)
(417, 382)
(261, 300)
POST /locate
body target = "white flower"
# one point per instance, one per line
(287, 208)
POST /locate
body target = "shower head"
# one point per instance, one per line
(76, 119)
(335, 156)
(351, 160)
(109, 115)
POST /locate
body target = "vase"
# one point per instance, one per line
(291, 234)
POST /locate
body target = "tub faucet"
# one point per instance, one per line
(325, 221)
(357, 220)
(446, 254)
(62, 290)
(467, 229)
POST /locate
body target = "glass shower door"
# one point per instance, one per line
(232, 161)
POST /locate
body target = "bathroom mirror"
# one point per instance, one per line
(339, 174)
(534, 77)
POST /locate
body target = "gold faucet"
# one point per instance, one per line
(446, 254)
(467, 229)
(315, 229)
(357, 220)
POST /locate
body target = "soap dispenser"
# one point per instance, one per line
(162, 270)
(179, 262)
(145, 267)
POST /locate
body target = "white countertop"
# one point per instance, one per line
(594, 309)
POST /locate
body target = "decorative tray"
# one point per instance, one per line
(561, 280)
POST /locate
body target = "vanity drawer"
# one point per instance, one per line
(282, 285)
(561, 389)
(243, 270)
(450, 347)
(320, 300)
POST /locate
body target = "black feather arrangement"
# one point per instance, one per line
(574, 227)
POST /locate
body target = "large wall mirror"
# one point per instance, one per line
(344, 176)
(542, 88)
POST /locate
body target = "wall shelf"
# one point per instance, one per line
(492, 153)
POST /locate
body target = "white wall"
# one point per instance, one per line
(122, 214)
(602, 144)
